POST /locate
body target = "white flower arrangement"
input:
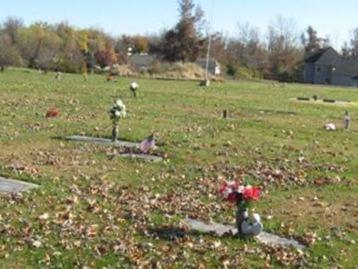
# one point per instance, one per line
(118, 111)
(134, 86)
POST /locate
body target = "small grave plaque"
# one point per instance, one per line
(303, 98)
(329, 100)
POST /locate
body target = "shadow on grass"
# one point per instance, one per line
(172, 233)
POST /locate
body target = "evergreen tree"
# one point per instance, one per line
(312, 42)
(183, 43)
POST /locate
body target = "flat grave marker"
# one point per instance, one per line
(327, 101)
(14, 186)
(103, 141)
(119, 144)
(303, 98)
(222, 230)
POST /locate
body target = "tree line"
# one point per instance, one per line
(276, 54)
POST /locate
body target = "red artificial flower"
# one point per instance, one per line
(52, 113)
(251, 193)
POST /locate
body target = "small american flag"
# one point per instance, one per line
(147, 144)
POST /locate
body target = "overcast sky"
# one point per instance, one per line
(334, 18)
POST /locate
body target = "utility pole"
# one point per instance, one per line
(207, 79)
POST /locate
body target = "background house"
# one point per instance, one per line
(326, 66)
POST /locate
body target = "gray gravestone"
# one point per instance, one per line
(220, 230)
(103, 141)
(14, 186)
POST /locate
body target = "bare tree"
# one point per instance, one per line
(284, 51)
(12, 28)
(247, 51)
(9, 55)
(354, 43)
(345, 50)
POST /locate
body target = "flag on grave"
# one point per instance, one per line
(147, 144)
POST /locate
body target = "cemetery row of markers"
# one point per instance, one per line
(248, 224)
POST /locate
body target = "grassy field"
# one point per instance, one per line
(93, 211)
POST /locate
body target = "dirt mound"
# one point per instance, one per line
(178, 70)
(123, 70)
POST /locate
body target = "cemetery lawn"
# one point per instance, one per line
(94, 211)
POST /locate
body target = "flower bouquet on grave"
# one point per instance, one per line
(134, 87)
(117, 112)
(243, 196)
(52, 113)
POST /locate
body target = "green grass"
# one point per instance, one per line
(100, 209)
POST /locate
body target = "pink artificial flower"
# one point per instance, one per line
(229, 191)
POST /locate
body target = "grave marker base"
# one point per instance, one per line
(150, 158)
(221, 230)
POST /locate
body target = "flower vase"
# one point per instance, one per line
(115, 133)
(241, 216)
